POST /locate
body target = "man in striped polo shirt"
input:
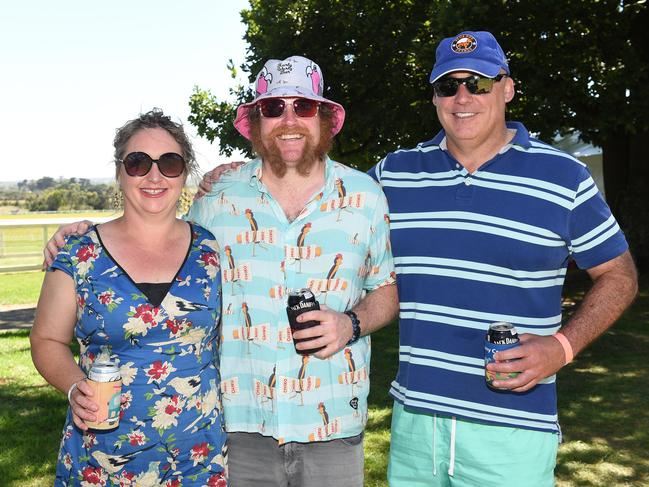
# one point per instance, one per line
(484, 220)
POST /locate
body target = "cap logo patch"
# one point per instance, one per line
(464, 43)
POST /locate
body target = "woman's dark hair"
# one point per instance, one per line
(151, 120)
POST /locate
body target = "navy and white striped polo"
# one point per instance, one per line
(473, 249)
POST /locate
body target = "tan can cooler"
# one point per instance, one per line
(106, 383)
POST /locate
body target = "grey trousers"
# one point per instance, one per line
(255, 460)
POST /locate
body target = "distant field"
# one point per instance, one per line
(54, 215)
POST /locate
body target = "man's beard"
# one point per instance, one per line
(271, 154)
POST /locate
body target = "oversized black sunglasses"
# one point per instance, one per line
(476, 84)
(171, 165)
(274, 107)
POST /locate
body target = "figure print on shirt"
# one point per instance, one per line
(256, 236)
(388, 245)
(329, 427)
(344, 202)
(296, 387)
(367, 268)
(330, 283)
(233, 273)
(278, 291)
(263, 200)
(222, 200)
(353, 376)
(250, 332)
(266, 391)
(301, 251)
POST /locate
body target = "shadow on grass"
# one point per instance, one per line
(33, 420)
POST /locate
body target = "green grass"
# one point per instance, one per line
(31, 417)
(385, 358)
(20, 287)
(603, 407)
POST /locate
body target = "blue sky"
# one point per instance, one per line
(71, 72)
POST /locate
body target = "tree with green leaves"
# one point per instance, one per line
(578, 65)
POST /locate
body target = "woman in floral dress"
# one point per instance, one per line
(143, 289)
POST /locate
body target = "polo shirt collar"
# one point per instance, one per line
(521, 138)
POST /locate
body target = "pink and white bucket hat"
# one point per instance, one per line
(295, 76)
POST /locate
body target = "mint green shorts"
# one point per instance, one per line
(431, 450)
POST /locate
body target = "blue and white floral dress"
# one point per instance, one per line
(171, 430)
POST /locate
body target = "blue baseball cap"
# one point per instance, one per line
(475, 52)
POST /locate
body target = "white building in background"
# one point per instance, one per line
(586, 153)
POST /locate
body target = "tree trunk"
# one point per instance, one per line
(626, 174)
(615, 166)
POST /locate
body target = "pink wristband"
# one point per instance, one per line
(567, 348)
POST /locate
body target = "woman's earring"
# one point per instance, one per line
(117, 198)
(184, 202)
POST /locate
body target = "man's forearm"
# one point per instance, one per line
(377, 308)
(614, 288)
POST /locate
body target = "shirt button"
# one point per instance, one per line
(457, 165)
(467, 181)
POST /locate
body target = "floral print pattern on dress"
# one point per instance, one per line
(171, 430)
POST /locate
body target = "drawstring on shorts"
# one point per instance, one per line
(451, 468)
(434, 446)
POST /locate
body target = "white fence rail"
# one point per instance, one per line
(22, 241)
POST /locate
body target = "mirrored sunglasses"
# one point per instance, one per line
(274, 107)
(171, 165)
(475, 84)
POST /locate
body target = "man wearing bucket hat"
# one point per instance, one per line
(291, 219)
(484, 220)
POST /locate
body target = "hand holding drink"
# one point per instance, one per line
(300, 302)
(501, 336)
(106, 383)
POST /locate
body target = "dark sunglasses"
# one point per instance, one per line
(171, 165)
(476, 84)
(274, 107)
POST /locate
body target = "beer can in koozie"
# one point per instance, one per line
(501, 336)
(300, 302)
(106, 382)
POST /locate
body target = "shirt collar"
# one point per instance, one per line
(255, 172)
(521, 138)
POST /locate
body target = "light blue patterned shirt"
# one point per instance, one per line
(339, 248)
